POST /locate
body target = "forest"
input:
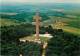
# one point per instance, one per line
(62, 43)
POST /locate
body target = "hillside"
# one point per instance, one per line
(60, 21)
(8, 22)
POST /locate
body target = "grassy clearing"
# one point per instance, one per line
(70, 29)
(73, 30)
(7, 22)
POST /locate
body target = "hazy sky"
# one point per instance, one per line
(40, 1)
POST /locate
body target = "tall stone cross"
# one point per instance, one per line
(37, 19)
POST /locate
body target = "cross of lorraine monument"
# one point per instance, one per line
(37, 19)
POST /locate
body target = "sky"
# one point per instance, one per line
(39, 1)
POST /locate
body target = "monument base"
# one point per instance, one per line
(38, 40)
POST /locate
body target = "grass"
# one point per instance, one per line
(7, 22)
(71, 25)
(73, 30)
(70, 29)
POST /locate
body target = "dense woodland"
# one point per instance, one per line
(62, 43)
(10, 44)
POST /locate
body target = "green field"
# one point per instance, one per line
(8, 22)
